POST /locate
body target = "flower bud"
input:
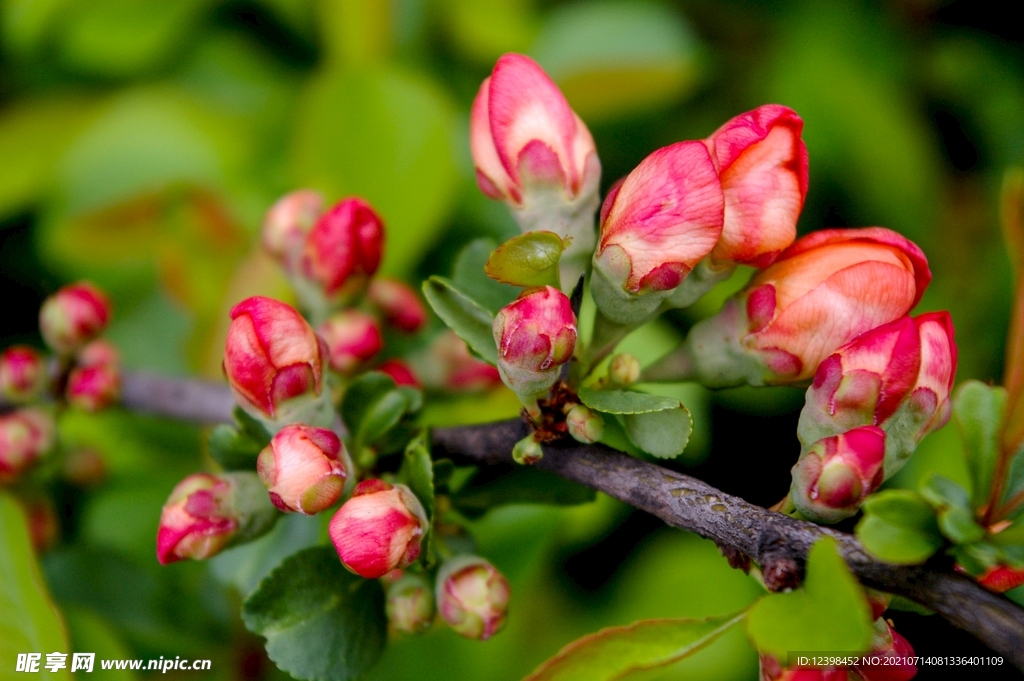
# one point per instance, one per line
(340, 254)
(823, 291)
(288, 222)
(274, 364)
(535, 334)
(533, 152)
(378, 529)
(527, 451)
(25, 435)
(833, 477)
(1000, 578)
(399, 304)
(656, 225)
(352, 339)
(472, 597)
(22, 374)
(400, 372)
(448, 365)
(304, 469)
(73, 316)
(624, 369)
(98, 353)
(92, 388)
(897, 376)
(585, 425)
(410, 604)
(208, 513)
(900, 654)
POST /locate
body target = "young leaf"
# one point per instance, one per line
(320, 620)
(625, 401)
(899, 526)
(521, 485)
(529, 259)
(615, 652)
(663, 434)
(956, 521)
(978, 409)
(463, 315)
(372, 406)
(30, 622)
(418, 473)
(468, 275)
(829, 613)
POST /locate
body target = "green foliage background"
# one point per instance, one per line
(141, 141)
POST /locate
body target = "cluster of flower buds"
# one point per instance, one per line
(535, 335)
(26, 434)
(447, 365)
(534, 153)
(822, 292)
(207, 513)
(305, 469)
(95, 381)
(472, 597)
(379, 529)
(22, 374)
(897, 377)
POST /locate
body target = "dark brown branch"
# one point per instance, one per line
(776, 541)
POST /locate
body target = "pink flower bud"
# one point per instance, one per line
(535, 334)
(410, 604)
(304, 469)
(833, 477)
(93, 388)
(762, 162)
(272, 357)
(900, 666)
(207, 513)
(352, 338)
(656, 225)
(378, 529)
(472, 597)
(22, 374)
(98, 353)
(448, 365)
(400, 371)
(343, 250)
(288, 222)
(73, 316)
(399, 304)
(25, 435)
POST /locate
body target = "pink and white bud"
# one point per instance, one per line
(305, 469)
(378, 529)
(22, 374)
(656, 225)
(25, 435)
(410, 604)
(93, 388)
(207, 513)
(897, 376)
(73, 316)
(398, 303)
(353, 338)
(585, 425)
(400, 371)
(472, 597)
(823, 291)
(448, 365)
(833, 476)
(533, 152)
(287, 223)
(274, 363)
(535, 335)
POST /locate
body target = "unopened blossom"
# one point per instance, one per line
(398, 303)
(287, 223)
(92, 388)
(410, 604)
(400, 371)
(585, 425)
(472, 597)
(448, 365)
(833, 476)
(73, 316)
(26, 434)
(22, 374)
(353, 338)
(305, 469)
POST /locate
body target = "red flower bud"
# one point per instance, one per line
(22, 374)
(352, 339)
(399, 304)
(833, 477)
(288, 222)
(73, 316)
(472, 597)
(535, 334)
(343, 250)
(272, 358)
(378, 529)
(410, 604)
(901, 667)
(25, 435)
(93, 388)
(448, 365)
(400, 371)
(762, 163)
(207, 513)
(304, 469)
(1000, 578)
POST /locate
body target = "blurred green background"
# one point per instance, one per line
(141, 141)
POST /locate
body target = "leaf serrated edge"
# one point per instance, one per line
(632, 413)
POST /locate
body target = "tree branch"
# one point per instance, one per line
(776, 541)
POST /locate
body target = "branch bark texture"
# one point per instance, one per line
(775, 541)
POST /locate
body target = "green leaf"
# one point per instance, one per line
(90, 632)
(464, 315)
(417, 472)
(899, 526)
(372, 406)
(468, 275)
(29, 622)
(663, 434)
(529, 259)
(978, 410)
(615, 652)
(828, 613)
(626, 401)
(520, 485)
(320, 620)
(231, 449)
